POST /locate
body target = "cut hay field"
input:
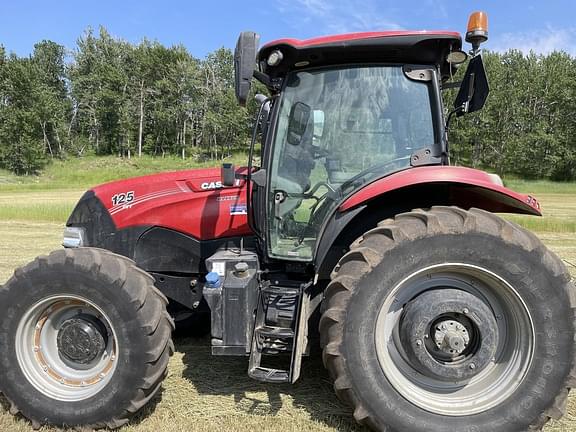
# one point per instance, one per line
(204, 393)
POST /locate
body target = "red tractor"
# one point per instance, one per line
(434, 314)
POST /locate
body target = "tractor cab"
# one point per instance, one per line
(343, 111)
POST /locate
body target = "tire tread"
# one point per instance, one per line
(152, 316)
(367, 251)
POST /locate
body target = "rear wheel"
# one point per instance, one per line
(446, 320)
(86, 339)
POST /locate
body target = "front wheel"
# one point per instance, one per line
(445, 320)
(85, 339)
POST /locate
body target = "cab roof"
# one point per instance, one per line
(405, 47)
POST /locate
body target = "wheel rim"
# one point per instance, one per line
(66, 347)
(485, 389)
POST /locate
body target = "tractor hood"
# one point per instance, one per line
(193, 202)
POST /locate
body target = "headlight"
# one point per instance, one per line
(74, 237)
(275, 58)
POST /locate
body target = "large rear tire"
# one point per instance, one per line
(85, 339)
(450, 320)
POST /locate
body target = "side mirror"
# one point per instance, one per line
(228, 174)
(474, 88)
(298, 122)
(244, 64)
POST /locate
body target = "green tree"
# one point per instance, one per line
(53, 105)
(99, 81)
(224, 121)
(527, 126)
(21, 146)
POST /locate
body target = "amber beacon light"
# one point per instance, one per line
(477, 31)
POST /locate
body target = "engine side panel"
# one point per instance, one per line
(164, 250)
(168, 224)
(192, 202)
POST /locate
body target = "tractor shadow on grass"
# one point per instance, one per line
(227, 377)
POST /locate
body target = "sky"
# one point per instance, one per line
(203, 26)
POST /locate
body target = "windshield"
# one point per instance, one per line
(337, 130)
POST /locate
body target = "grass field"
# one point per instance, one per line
(205, 393)
(81, 173)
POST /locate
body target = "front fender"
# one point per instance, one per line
(467, 188)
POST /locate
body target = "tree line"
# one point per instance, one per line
(111, 97)
(528, 125)
(108, 96)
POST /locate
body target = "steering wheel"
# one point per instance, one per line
(318, 186)
(330, 193)
(368, 170)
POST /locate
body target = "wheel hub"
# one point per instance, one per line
(451, 337)
(82, 339)
(405, 342)
(448, 334)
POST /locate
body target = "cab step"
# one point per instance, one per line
(276, 339)
(275, 332)
(270, 375)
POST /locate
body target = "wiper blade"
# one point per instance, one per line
(361, 176)
(350, 185)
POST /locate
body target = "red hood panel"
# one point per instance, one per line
(191, 201)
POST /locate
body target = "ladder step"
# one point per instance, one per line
(269, 375)
(275, 332)
(281, 291)
(275, 339)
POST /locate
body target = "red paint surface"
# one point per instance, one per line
(483, 193)
(350, 37)
(177, 201)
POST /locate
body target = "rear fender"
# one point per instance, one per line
(421, 187)
(470, 187)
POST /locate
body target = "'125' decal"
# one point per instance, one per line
(123, 198)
